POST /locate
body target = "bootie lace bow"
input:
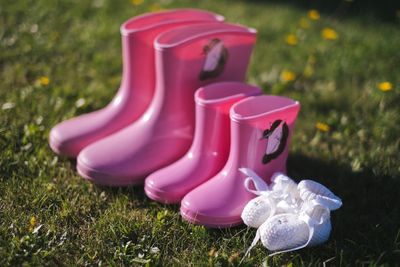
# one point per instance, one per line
(288, 216)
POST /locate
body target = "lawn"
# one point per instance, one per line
(60, 58)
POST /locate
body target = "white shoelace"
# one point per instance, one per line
(262, 189)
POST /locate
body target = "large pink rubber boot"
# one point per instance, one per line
(137, 86)
(261, 129)
(210, 148)
(187, 58)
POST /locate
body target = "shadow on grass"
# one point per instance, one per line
(365, 228)
(384, 10)
(367, 225)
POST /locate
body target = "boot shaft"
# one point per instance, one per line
(213, 103)
(138, 35)
(261, 131)
(188, 58)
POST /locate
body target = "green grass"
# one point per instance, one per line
(77, 45)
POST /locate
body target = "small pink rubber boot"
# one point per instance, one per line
(187, 58)
(210, 147)
(137, 86)
(261, 129)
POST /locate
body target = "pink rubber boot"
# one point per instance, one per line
(187, 58)
(210, 147)
(261, 129)
(137, 86)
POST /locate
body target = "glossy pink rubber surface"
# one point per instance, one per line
(187, 58)
(210, 148)
(137, 86)
(261, 129)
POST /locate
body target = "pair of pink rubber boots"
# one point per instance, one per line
(151, 122)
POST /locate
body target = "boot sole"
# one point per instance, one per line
(56, 146)
(210, 222)
(160, 196)
(101, 178)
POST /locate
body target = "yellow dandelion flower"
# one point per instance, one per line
(329, 34)
(291, 39)
(50, 186)
(155, 8)
(44, 80)
(288, 76)
(314, 14)
(32, 223)
(137, 2)
(385, 86)
(304, 23)
(323, 127)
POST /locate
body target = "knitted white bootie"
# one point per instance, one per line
(280, 197)
(304, 219)
(312, 191)
(288, 232)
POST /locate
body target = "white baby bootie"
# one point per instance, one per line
(301, 217)
(282, 196)
(290, 231)
(312, 191)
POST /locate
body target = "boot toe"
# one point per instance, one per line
(161, 192)
(94, 168)
(69, 137)
(213, 206)
(98, 164)
(64, 142)
(170, 184)
(117, 160)
(208, 217)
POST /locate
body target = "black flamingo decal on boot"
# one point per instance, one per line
(216, 57)
(277, 136)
